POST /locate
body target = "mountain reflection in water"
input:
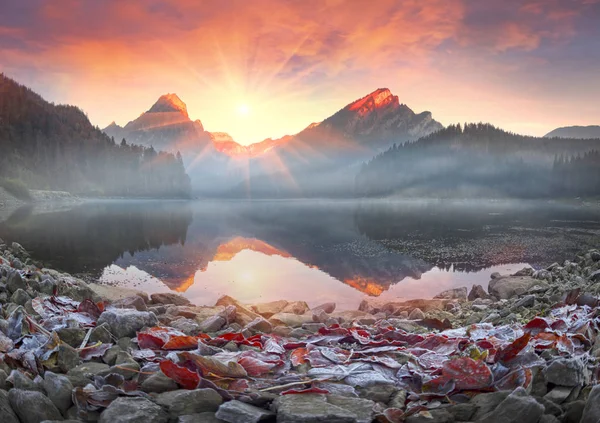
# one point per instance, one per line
(302, 250)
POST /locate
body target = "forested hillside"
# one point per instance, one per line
(48, 146)
(482, 160)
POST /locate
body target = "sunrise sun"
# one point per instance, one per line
(243, 110)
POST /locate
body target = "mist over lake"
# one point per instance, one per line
(311, 250)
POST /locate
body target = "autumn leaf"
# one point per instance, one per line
(508, 353)
(183, 376)
(468, 373)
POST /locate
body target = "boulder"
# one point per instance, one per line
(327, 308)
(518, 403)
(133, 410)
(296, 307)
(565, 372)
(7, 415)
(170, 298)
(269, 309)
(132, 301)
(182, 402)
(259, 325)
(243, 315)
(15, 281)
(127, 322)
(310, 408)
(32, 406)
(240, 412)
(158, 382)
(416, 314)
(453, 294)
(59, 389)
(506, 287)
(290, 319)
(477, 291)
(206, 417)
(212, 324)
(362, 408)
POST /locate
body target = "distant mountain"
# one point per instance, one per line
(49, 146)
(224, 143)
(585, 132)
(478, 160)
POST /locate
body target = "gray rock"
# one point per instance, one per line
(416, 314)
(362, 408)
(206, 417)
(507, 287)
(453, 294)
(398, 399)
(20, 380)
(133, 301)
(59, 389)
(591, 412)
(240, 412)
(548, 418)
(7, 415)
(188, 326)
(72, 336)
(564, 372)
(170, 298)
(101, 333)
(310, 408)
(15, 281)
(20, 297)
(260, 325)
(182, 402)
(133, 410)
(378, 392)
(462, 412)
(517, 404)
(574, 411)
(67, 357)
(3, 377)
(158, 382)
(327, 307)
(526, 301)
(127, 322)
(437, 416)
(485, 403)
(32, 406)
(213, 324)
(91, 368)
(559, 394)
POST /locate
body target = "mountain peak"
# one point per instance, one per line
(169, 103)
(378, 98)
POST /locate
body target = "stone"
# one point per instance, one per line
(296, 307)
(188, 326)
(133, 301)
(7, 414)
(559, 394)
(437, 416)
(416, 314)
(212, 324)
(67, 357)
(564, 372)
(59, 389)
(3, 377)
(133, 410)
(319, 316)
(170, 298)
(462, 412)
(574, 410)
(72, 336)
(362, 408)
(158, 382)
(20, 380)
(127, 322)
(548, 418)
(240, 412)
(591, 411)
(398, 399)
(90, 368)
(182, 402)
(206, 417)
(259, 325)
(377, 392)
(15, 281)
(453, 294)
(526, 301)
(128, 370)
(20, 297)
(326, 307)
(243, 315)
(518, 403)
(506, 287)
(101, 333)
(310, 408)
(268, 309)
(485, 403)
(32, 406)
(290, 319)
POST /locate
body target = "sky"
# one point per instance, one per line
(266, 68)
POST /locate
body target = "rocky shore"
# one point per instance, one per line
(524, 350)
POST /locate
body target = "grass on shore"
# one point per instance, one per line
(17, 188)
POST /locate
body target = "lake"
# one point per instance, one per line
(311, 250)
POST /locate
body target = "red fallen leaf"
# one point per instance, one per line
(399, 335)
(182, 342)
(97, 350)
(294, 345)
(183, 376)
(298, 356)
(565, 345)
(508, 353)
(150, 340)
(536, 326)
(362, 336)
(513, 380)
(273, 346)
(256, 367)
(238, 385)
(211, 365)
(89, 307)
(571, 297)
(334, 330)
(485, 344)
(560, 325)
(391, 415)
(311, 390)
(468, 373)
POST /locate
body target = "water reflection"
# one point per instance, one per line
(311, 250)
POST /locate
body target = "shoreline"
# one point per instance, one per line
(527, 345)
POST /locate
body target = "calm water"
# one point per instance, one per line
(308, 250)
